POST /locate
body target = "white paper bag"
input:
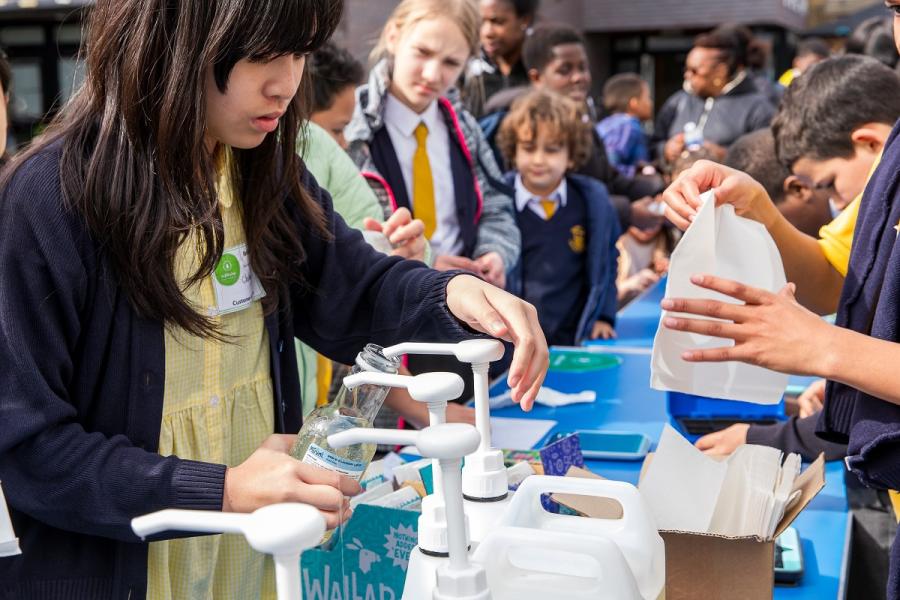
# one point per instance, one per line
(723, 244)
(9, 544)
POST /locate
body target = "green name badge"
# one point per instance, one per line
(235, 284)
(228, 271)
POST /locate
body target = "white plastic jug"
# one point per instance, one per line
(530, 564)
(723, 244)
(634, 534)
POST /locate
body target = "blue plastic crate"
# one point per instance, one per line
(695, 416)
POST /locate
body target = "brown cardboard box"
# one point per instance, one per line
(705, 566)
(740, 568)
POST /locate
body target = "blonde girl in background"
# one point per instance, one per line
(412, 137)
(421, 150)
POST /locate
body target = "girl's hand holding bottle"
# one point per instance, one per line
(270, 475)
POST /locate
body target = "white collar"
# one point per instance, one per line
(405, 119)
(524, 197)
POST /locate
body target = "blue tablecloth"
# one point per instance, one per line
(625, 402)
(636, 324)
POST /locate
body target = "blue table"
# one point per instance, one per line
(626, 402)
(636, 324)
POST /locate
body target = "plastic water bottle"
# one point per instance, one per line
(693, 137)
(351, 408)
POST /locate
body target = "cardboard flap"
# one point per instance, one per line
(589, 506)
(644, 465)
(809, 483)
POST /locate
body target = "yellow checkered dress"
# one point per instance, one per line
(217, 407)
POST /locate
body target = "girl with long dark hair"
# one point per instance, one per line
(160, 247)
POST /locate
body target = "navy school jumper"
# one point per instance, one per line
(870, 304)
(554, 259)
(602, 256)
(81, 388)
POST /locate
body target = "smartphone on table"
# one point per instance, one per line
(613, 445)
(788, 558)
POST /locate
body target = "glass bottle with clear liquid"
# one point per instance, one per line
(351, 408)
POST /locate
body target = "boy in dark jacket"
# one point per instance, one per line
(568, 226)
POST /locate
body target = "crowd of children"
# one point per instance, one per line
(470, 151)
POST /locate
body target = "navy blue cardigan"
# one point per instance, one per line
(602, 256)
(870, 303)
(81, 388)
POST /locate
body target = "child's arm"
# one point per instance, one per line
(633, 147)
(818, 283)
(606, 314)
(54, 468)
(640, 152)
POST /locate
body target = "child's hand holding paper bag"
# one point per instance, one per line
(745, 194)
(754, 310)
(732, 248)
(770, 330)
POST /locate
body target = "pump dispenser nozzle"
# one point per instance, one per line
(282, 530)
(448, 443)
(484, 474)
(435, 389)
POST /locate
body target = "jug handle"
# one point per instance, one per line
(532, 488)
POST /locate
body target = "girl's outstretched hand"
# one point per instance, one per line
(489, 309)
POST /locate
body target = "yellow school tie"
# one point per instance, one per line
(895, 503)
(549, 208)
(423, 184)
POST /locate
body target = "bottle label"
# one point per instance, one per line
(320, 457)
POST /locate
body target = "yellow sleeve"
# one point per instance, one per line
(836, 238)
(787, 77)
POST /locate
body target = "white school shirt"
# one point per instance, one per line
(401, 122)
(524, 198)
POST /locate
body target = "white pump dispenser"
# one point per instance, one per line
(282, 530)
(485, 482)
(435, 389)
(455, 578)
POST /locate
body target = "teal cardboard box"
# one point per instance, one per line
(368, 561)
